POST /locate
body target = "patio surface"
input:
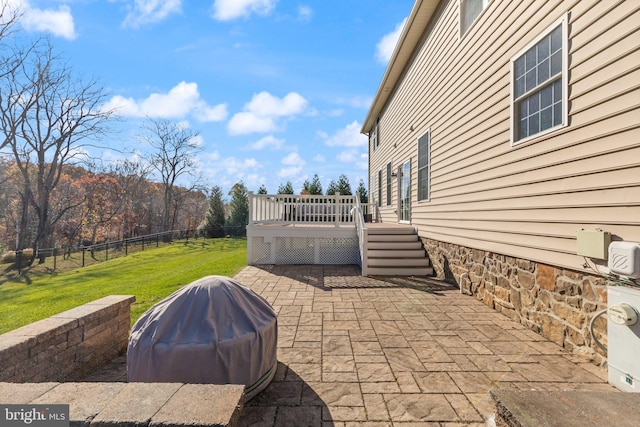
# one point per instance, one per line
(404, 352)
(357, 351)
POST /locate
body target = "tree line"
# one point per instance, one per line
(221, 217)
(314, 188)
(88, 207)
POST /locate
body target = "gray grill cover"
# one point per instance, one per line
(213, 331)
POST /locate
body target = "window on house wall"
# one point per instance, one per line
(379, 199)
(539, 75)
(469, 11)
(373, 193)
(375, 136)
(389, 184)
(424, 145)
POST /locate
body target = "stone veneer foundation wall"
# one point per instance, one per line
(69, 345)
(555, 302)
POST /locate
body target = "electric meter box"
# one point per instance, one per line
(623, 338)
(624, 259)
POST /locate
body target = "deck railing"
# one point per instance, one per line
(361, 229)
(291, 209)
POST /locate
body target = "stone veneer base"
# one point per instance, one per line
(555, 302)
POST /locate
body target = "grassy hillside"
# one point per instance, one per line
(150, 276)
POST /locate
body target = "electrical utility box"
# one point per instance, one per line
(593, 243)
(623, 339)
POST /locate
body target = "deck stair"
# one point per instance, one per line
(394, 250)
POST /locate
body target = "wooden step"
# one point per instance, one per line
(413, 245)
(398, 262)
(391, 230)
(383, 253)
(396, 251)
(393, 238)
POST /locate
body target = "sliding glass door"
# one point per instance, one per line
(404, 193)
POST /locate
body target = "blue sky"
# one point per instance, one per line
(278, 89)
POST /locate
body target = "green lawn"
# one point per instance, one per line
(150, 276)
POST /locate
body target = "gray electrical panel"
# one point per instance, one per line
(624, 340)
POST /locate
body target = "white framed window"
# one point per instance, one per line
(374, 192)
(424, 147)
(375, 137)
(389, 176)
(379, 198)
(539, 85)
(469, 12)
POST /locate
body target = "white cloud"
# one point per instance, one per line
(181, 101)
(347, 156)
(246, 122)
(305, 13)
(240, 167)
(386, 45)
(226, 171)
(290, 172)
(363, 102)
(294, 165)
(349, 136)
(268, 141)
(265, 104)
(253, 180)
(57, 22)
(354, 157)
(211, 114)
(210, 156)
(149, 11)
(197, 141)
(227, 10)
(260, 114)
(319, 158)
(293, 159)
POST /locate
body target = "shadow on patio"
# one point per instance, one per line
(396, 352)
(327, 277)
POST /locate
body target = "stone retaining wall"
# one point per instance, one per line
(69, 345)
(555, 302)
(134, 404)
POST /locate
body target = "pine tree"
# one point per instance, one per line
(286, 188)
(315, 188)
(214, 220)
(364, 198)
(238, 207)
(343, 186)
(262, 189)
(331, 190)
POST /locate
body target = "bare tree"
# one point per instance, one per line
(9, 15)
(11, 57)
(132, 177)
(175, 147)
(48, 115)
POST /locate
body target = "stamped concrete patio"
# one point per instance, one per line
(357, 351)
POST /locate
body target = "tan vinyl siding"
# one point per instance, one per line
(526, 200)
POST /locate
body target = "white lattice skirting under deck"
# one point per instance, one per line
(327, 250)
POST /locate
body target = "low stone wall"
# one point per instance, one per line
(69, 345)
(555, 302)
(134, 404)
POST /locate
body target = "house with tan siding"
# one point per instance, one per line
(499, 130)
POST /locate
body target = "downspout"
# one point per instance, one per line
(466, 273)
